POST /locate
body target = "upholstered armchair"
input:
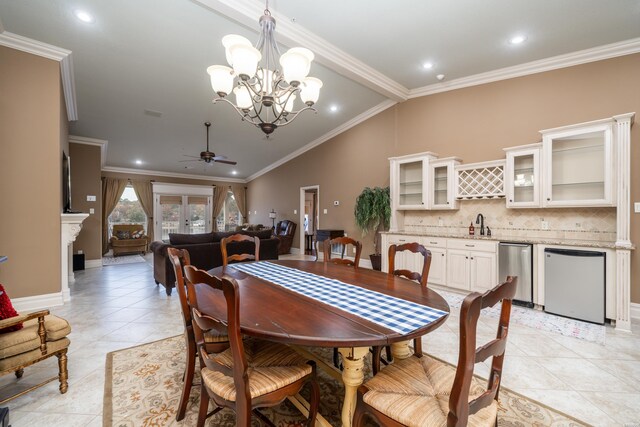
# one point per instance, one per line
(42, 336)
(285, 230)
(128, 238)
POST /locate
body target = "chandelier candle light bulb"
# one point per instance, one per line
(264, 95)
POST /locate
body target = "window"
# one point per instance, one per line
(229, 217)
(128, 210)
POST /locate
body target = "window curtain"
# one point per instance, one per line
(219, 196)
(240, 193)
(112, 189)
(144, 191)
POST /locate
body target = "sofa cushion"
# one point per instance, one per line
(262, 234)
(22, 358)
(219, 235)
(27, 339)
(188, 239)
(122, 234)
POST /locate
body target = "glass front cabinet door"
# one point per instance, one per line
(522, 176)
(411, 176)
(442, 190)
(579, 165)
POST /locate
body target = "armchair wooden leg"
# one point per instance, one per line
(19, 373)
(62, 367)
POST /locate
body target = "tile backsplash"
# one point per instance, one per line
(597, 224)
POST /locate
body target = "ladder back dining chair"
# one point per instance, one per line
(228, 242)
(345, 242)
(215, 339)
(252, 373)
(424, 391)
(421, 278)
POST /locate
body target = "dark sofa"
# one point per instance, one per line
(205, 253)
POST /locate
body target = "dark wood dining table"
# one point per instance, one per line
(274, 313)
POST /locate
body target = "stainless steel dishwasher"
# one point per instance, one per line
(516, 259)
(574, 284)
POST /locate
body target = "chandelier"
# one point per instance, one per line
(265, 95)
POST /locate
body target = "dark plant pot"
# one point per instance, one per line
(376, 261)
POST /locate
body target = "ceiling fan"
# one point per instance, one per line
(209, 157)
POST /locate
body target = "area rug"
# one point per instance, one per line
(143, 386)
(539, 319)
(123, 259)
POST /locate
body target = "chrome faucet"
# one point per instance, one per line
(480, 220)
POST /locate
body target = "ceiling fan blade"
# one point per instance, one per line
(220, 158)
(195, 159)
(229, 162)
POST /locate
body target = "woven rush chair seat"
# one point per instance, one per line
(271, 367)
(215, 336)
(415, 391)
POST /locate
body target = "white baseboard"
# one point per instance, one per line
(93, 263)
(635, 310)
(295, 251)
(37, 302)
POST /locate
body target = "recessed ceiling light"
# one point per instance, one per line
(427, 65)
(333, 108)
(517, 39)
(138, 162)
(234, 172)
(84, 16)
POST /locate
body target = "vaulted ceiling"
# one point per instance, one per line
(140, 67)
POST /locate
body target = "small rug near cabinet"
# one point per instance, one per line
(143, 385)
(123, 259)
(539, 319)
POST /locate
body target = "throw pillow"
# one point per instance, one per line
(123, 234)
(137, 234)
(7, 311)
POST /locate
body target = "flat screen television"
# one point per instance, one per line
(66, 183)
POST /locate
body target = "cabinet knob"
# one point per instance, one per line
(511, 200)
(442, 254)
(471, 257)
(548, 199)
(447, 202)
(466, 257)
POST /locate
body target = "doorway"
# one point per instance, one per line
(181, 209)
(309, 218)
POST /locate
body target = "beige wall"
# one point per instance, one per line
(473, 123)
(32, 128)
(85, 181)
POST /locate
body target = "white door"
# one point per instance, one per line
(483, 271)
(458, 269)
(182, 214)
(438, 269)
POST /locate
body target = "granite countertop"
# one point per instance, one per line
(520, 239)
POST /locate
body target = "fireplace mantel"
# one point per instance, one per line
(71, 224)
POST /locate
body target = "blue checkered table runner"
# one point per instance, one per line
(394, 313)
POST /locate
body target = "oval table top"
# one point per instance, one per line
(272, 312)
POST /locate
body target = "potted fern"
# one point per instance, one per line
(372, 213)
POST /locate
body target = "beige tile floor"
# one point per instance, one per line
(119, 306)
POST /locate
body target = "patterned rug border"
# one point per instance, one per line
(107, 408)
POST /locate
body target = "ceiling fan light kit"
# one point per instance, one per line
(264, 94)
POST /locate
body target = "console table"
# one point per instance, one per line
(322, 235)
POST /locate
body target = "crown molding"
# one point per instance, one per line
(626, 47)
(92, 141)
(247, 12)
(63, 56)
(327, 136)
(171, 174)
